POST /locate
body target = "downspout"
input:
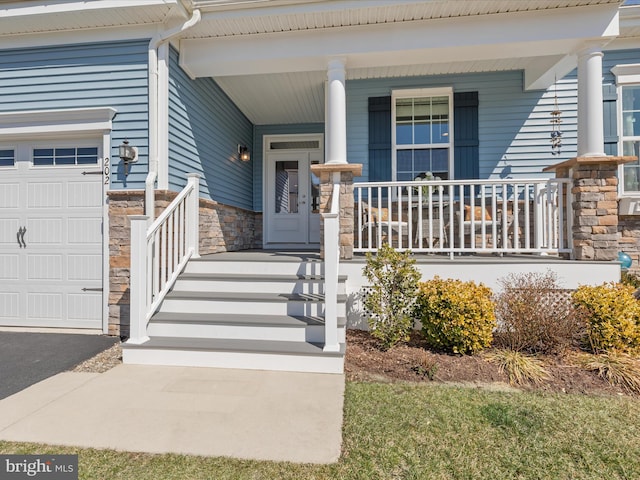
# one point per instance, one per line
(154, 120)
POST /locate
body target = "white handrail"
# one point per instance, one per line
(159, 253)
(465, 216)
(331, 267)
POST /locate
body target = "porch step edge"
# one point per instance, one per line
(250, 297)
(253, 278)
(301, 321)
(270, 347)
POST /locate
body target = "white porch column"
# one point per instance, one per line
(590, 116)
(336, 115)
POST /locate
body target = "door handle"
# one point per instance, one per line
(20, 237)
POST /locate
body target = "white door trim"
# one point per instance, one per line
(316, 155)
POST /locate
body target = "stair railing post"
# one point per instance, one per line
(331, 265)
(138, 280)
(193, 215)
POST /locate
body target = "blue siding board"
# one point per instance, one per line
(205, 127)
(112, 74)
(258, 154)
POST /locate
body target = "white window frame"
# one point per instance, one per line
(626, 76)
(416, 93)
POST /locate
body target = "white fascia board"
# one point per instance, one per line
(24, 9)
(78, 36)
(48, 122)
(540, 33)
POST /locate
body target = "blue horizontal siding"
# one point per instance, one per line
(258, 142)
(205, 128)
(112, 74)
(514, 125)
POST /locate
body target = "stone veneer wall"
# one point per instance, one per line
(629, 239)
(222, 228)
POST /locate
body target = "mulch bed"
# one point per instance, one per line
(413, 362)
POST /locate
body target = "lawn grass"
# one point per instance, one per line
(414, 431)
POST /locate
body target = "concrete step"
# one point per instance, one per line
(264, 283)
(229, 353)
(249, 303)
(239, 326)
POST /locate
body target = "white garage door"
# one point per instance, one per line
(51, 200)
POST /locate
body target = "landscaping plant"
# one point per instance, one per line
(520, 368)
(611, 315)
(535, 314)
(456, 316)
(390, 300)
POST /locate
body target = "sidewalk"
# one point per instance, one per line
(262, 415)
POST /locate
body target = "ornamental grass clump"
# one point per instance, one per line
(390, 300)
(520, 368)
(611, 315)
(456, 316)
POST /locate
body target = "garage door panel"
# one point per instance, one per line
(84, 231)
(44, 267)
(9, 267)
(84, 268)
(44, 306)
(9, 231)
(9, 195)
(44, 195)
(9, 306)
(43, 230)
(84, 307)
(83, 195)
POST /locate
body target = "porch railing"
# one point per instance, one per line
(465, 216)
(159, 253)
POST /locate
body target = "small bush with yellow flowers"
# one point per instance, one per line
(456, 316)
(612, 317)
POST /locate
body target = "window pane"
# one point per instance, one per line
(286, 191)
(39, 161)
(422, 162)
(631, 98)
(423, 133)
(631, 177)
(404, 109)
(43, 152)
(7, 158)
(404, 134)
(65, 160)
(88, 151)
(440, 159)
(405, 161)
(631, 148)
(631, 124)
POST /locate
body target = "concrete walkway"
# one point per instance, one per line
(261, 415)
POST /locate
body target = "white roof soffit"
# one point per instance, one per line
(28, 17)
(549, 38)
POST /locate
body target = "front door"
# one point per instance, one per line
(292, 199)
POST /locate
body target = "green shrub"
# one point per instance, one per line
(390, 300)
(456, 316)
(612, 317)
(535, 315)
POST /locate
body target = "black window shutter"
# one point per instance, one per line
(379, 139)
(466, 155)
(609, 97)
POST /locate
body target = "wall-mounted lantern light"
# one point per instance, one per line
(243, 153)
(128, 155)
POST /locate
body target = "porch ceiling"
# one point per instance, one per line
(272, 62)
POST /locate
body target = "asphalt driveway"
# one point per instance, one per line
(28, 358)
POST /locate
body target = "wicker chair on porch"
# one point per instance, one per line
(375, 218)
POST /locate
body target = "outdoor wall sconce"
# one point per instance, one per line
(128, 155)
(243, 153)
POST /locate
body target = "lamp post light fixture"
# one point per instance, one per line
(243, 153)
(128, 155)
